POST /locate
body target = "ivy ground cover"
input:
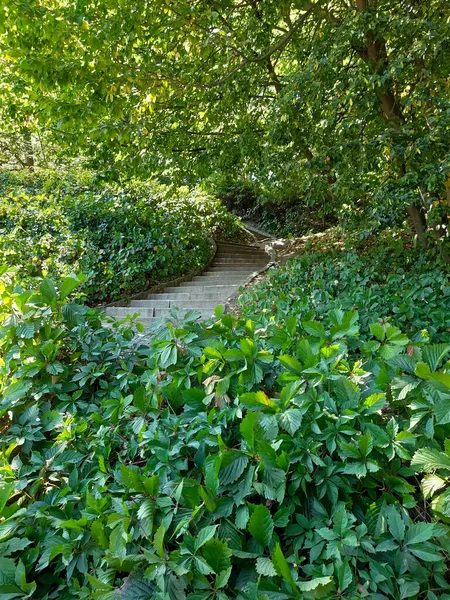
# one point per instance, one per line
(232, 459)
(124, 238)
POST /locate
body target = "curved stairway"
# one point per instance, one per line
(233, 264)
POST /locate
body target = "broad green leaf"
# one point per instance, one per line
(430, 459)
(158, 540)
(217, 554)
(291, 364)
(396, 524)
(282, 567)
(409, 589)
(232, 466)
(261, 525)
(48, 290)
(68, 285)
(313, 584)
(418, 533)
(434, 354)
(204, 535)
(264, 566)
(290, 420)
(258, 401)
(431, 484)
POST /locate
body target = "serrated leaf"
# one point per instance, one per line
(314, 328)
(408, 589)
(67, 286)
(378, 331)
(242, 517)
(261, 525)
(308, 586)
(441, 410)
(264, 566)
(396, 524)
(430, 459)
(291, 364)
(344, 576)
(25, 330)
(134, 588)
(158, 540)
(434, 354)
(356, 468)
(431, 484)
(48, 291)
(248, 428)
(365, 444)
(204, 535)
(217, 554)
(425, 553)
(222, 578)
(419, 533)
(258, 401)
(290, 420)
(232, 466)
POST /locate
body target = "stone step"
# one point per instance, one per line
(148, 303)
(232, 260)
(229, 275)
(147, 312)
(237, 246)
(238, 268)
(228, 253)
(184, 308)
(206, 282)
(233, 264)
(175, 297)
(187, 286)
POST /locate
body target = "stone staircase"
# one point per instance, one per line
(233, 264)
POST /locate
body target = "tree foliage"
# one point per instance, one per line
(343, 104)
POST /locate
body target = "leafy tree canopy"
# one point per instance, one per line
(340, 102)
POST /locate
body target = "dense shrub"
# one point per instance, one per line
(219, 460)
(124, 238)
(381, 281)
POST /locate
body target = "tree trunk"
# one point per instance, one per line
(376, 57)
(28, 148)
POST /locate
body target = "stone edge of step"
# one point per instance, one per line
(247, 282)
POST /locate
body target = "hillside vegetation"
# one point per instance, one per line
(297, 448)
(298, 452)
(123, 238)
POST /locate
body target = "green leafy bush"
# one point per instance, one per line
(124, 238)
(384, 281)
(216, 460)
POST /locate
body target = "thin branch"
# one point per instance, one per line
(280, 45)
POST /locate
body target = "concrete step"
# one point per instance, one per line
(232, 260)
(229, 253)
(231, 268)
(218, 288)
(175, 297)
(237, 246)
(228, 275)
(233, 264)
(205, 313)
(147, 303)
(206, 282)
